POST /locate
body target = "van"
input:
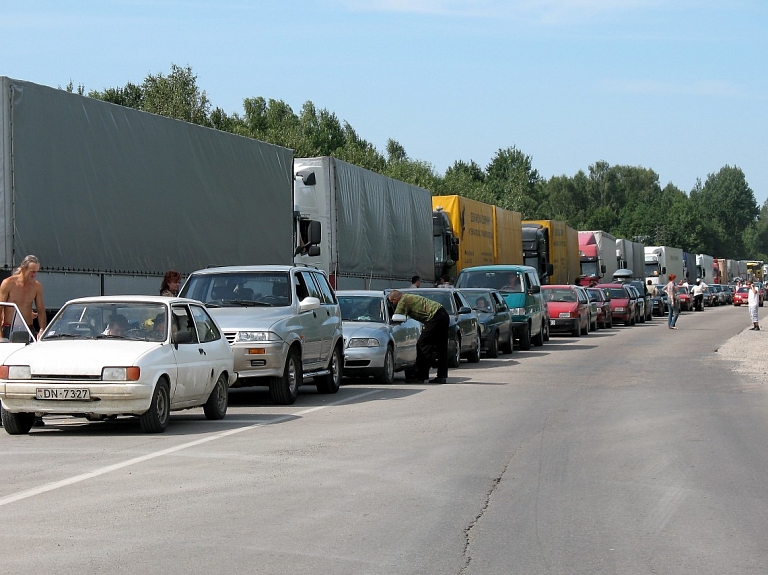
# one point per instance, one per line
(521, 289)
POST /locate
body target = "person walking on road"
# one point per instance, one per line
(673, 301)
(753, 301)
(433, 341)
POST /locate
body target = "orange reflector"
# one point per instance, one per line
(132, 373)
(3, 372)
(256, 351)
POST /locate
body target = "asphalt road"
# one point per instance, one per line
(632, 450)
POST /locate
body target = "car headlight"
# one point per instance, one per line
(254, 336)
(120, 373)
(15, 372)
(518, 311)
(363, 342)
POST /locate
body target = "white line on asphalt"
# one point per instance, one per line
(127, 463)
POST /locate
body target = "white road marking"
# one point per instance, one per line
(127, 463)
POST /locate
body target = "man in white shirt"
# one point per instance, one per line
(698, 295)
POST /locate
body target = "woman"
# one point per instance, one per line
(673, 301)
(753, 300)
(170, 285)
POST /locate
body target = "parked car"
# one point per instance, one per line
(120, 355)
(622, 305)
(494, 318)
(464, 338)
(659, 302)
(603, 305)
(568, 309)
(283, 324)
(521, 289)
(373, 344)
(686, 301)
(638, 302)
(741, 296)
(642, 289)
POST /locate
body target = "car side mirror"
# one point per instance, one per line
(399, 318)
(308, 304)
(182, 337)
(534, 289)
(464, 310)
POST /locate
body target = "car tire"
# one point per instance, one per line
(525, 338)
(285, 389)
(16, 423)
(474, 355)
(493, 346)
(455, 358)
(330, 383)
(507, 346)
(576, 331)
(218, 401)
(546, 330)
(594, 326)
(156, 418)
(538, 340)
(386, 375)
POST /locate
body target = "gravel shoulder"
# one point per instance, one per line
(748, 350)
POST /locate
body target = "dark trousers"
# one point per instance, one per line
(433, 344)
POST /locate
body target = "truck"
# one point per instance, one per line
(486, 234)
(705, 269)
(630, 256)
(110, 198)
(377, 231)
(597, 255)
(690, 273)
(552, 248)
(661, 262)
(754, 270)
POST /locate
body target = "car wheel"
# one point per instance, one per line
(386, 374)
(156, 418)
(330, 383)
(493, 346)
(216, 406)
(546, 330)
(506, 347)
(538, 339)
(525, 338)
(16, 423)
(595, 325)
(576, 331)
(474, 355)
(285, 389)
(455, 358)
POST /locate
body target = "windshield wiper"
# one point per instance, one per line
(66, 335)
(110, 336)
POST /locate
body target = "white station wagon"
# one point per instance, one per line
(120, 355)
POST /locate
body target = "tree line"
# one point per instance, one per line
(719, 217)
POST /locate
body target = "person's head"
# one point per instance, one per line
(394, 296)
(118, 325)
(159, 323)
(672, 277)
(171, 281)
(28, 268)
(649, 282)
(444, 279)
(416, 280)
(481, 303)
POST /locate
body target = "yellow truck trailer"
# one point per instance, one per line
(508, 237)
(552, 247)
(472, 223)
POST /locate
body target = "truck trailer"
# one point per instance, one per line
(377, 231)
(705, 269)
(630, 256)
(597, 255)
(552, 247)
(110, 198)
(661, 262)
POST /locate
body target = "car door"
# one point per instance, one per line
(330, 316)
(191, 362)
(404, 335)
(310, 321)
(210, 341)
(467, 322)
(503, 315)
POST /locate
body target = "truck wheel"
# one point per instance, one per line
(17, 423)
(455, 358)
(386, 374)
(474, 355)
(156, 418)
(285, 389)
(330, 383)
(525, 338)
(216, 406)
(538, 339)
(493, 346)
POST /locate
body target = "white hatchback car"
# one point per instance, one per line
(120, 355)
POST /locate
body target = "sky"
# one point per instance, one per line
(676, 86)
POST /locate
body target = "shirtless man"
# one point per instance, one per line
(22, 288)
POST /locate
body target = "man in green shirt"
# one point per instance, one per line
(433, 341)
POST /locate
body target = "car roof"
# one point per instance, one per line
(252, 268)
(133, 299)
(501, 267)
(361, 292)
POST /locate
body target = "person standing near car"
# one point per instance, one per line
(673, 301)
(23, 289)
(753, 301)
(170, 285)
(433, 341)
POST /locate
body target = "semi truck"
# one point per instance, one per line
(377, 231)
(661, 262)
(705, 269)
(597, 255)
(630, 256)
(486, 234)
(110, 198)
(552, 247)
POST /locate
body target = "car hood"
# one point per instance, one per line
(363, 329)
(250, 317)
(561, 306)
(79, 357)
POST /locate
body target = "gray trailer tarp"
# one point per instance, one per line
(88, 185)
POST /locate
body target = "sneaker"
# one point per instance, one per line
(438, 380)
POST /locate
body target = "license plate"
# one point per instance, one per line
(62, 394)
(551, 322)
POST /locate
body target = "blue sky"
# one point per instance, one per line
(677, 86)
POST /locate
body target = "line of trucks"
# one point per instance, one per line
(109, 198)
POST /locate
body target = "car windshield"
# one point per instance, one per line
(110, 320)
(559, 295)
(478, 300)
(240, 289)
(504, 281)
(443, 297)
(616, 293)
(594, 295)
(361, 308)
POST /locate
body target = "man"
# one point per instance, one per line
(753, 301)
(433, 341)
(698, 294)
(416, 282)
(23, 289)
(673, 301)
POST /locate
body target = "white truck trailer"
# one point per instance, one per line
(630, 256)
(110, 198)
(661, 262)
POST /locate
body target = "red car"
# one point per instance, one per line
(741, 296)
(568, 308)
(686, 301)
(604, 315)
(622, 305)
